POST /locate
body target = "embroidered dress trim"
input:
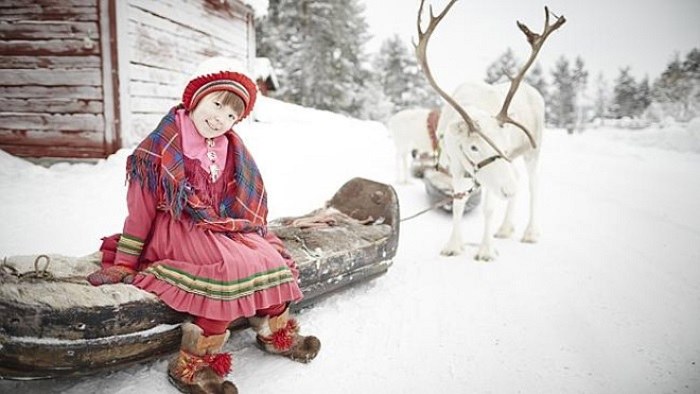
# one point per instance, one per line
(221, 290)
(130, 245)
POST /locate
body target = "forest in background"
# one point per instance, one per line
(318, 51)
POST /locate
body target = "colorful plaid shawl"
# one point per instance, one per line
(158, 162)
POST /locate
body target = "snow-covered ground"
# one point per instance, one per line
(607, 302)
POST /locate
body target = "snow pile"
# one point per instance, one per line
(680, 137)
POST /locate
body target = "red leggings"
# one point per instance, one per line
(217, 327)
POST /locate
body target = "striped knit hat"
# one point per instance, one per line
(217, 74)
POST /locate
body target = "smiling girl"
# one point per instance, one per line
(196, 232)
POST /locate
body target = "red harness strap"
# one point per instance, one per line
(433, 118)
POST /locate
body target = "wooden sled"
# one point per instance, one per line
(54, 323)
(438, 185)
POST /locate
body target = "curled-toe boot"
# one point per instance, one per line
(200, 367)
(280, 335)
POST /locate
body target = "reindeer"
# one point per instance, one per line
(479, 140)
(413, 132)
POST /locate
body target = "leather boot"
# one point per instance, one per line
(201, 367)
(280, 335)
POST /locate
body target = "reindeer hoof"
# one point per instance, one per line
(530, 237)
(486, 255)
(484, 258)
(504, 232)
(451, 251)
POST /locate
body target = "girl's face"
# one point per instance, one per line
(211, 117)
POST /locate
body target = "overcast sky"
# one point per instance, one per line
(607, 34)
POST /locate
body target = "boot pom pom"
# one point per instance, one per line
(283, 339)
(220, 363)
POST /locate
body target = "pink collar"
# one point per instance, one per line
(194, 145)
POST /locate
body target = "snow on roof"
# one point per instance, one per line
(259, 6)
(262, 69)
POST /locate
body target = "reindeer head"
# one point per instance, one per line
(488, 166)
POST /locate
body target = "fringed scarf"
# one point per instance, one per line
(158, 163)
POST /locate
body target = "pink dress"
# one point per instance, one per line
(202, 272)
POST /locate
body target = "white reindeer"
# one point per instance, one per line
(410, 131)
(481, 130)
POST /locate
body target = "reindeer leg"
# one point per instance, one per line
(459, 186)
(401, 164)
(532, 232)
(486, 250)
(507, 228)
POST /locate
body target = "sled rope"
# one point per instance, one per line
(430, 208)
(438, 204)
(9, 273)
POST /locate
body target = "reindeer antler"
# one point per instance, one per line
(536, 41)
(421, 49)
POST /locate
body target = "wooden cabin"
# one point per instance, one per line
(265, 76)
(83, 78)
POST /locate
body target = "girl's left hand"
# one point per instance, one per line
(112, 275)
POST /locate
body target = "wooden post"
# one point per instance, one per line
(110, 76)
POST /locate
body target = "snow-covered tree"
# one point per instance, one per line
(678, 87)
(625, 95)
(581, 100)
(317, 47)
(502, 68)
(535, 77)
(561, 104)
(601, 103)
(643, 96)
(400, 78)
(267, 32)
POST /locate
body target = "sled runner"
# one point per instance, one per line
(438, 185)
(54, 323)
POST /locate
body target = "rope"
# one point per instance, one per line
(439, 204)
(10, 274)
(430, 208)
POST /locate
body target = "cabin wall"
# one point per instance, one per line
(167, 39)
(52, 97)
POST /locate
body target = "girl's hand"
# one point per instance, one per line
(112, 275)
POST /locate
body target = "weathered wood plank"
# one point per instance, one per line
(51, 47)
(140, 72)
(32, 30)
(49, 12)
(52, 62)
(153, 104)
(154, 89)
(184, 31)
(29, 121)
(57, 151)
(45, 3)
(48, 77)
(55, 104)
(187, 39)
(192, 14)
(156, 47)
(73, 92)
(69, 138)
(143, 123)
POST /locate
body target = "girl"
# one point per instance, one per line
(196, 232)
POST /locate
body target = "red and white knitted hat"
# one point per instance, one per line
(218, 74)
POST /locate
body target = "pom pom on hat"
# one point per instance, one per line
(217, 74)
